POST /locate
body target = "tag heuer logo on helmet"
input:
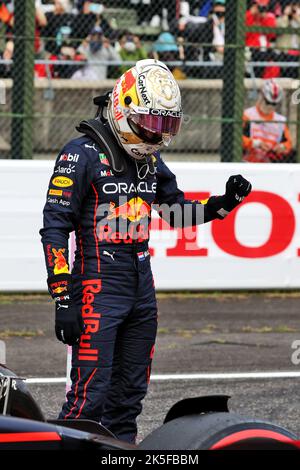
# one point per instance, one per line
(142, 89)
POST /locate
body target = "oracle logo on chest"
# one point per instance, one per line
(125, 188)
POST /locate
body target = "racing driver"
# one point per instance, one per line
(104, 185)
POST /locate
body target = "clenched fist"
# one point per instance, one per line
(237, 188)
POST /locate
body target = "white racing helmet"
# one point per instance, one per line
(144, 109)
(272, 92)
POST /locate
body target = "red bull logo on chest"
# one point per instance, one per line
(133, 210)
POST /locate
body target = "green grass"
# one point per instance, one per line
(9, 299)
(270, 329)
(224, 295)
(31, 298)
(211, 328)
(5, 334)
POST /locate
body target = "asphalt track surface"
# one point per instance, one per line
(212, 333)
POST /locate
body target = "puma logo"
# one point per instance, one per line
(91, 147)
(111, 255)
(59, 306)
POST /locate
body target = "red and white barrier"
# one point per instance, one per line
(257, 246)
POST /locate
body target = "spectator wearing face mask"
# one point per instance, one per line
(97, 48)
(59, 26)
(89, 15)
(131, 50)
(218, 25)
(196, 30)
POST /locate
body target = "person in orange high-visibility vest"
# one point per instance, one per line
(266, 136)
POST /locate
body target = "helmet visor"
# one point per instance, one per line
(147, 136)
(159, 121)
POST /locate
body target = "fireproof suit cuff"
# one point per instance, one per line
(218, 207)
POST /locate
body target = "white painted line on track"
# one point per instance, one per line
(46, 380)
(227, 376)
(204, 376)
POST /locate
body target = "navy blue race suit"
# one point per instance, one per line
(111, 281)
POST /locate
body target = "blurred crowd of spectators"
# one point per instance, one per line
(78, 40)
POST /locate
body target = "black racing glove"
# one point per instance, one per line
(237, 188)
(68, 320)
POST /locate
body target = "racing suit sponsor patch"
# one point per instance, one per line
(65, 170)
(142, 255)
(69, 157)
(49, 255)
(55, 192)
(60, 263)
(133, 210)
(58, 287)
(103, 159)
(119, 188)
(91, 320)
(106, 173)
(62, 182)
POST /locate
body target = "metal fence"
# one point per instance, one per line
(56, 55)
